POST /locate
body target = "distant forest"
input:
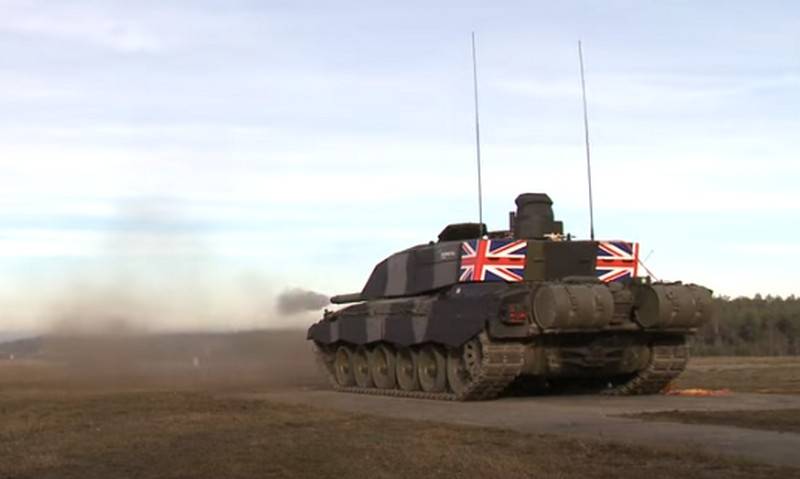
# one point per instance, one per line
(758, 326)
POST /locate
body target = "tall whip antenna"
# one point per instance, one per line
(477, 130)
(586, 134)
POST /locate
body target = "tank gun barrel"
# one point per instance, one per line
(347, 298)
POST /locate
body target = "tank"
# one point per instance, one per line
(468, 316)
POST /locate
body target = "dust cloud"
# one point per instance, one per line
(241, 361)
(153, 271)
(298, 300)
(155, 305)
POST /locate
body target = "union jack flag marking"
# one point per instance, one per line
(493, 260)
(617, 260)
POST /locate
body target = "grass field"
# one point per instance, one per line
(195, 434)
(779, 375)
(146, 411)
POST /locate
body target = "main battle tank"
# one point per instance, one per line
(465, 317)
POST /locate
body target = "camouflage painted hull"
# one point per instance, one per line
(473, 340)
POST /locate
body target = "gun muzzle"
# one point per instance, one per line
(347, 298)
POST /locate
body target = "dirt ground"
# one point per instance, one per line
(587, 417)
(252, 405)
(195, 433)
(782, 420)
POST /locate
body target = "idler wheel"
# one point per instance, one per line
(381, 365)
(361, 368)
(432, 369)
(343, 367)
(463, 364)
(406, 370)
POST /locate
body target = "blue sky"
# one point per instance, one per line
(197, 157)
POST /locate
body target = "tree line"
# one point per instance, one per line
(757, 326)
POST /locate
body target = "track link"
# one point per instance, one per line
(668, 360)
(500, 364)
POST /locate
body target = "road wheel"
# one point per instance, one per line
(406, 369)
(361, 367)
(382, 366)
(432, 369)
(343, 366)
(463, 364)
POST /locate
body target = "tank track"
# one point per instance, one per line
(668, 360)
(500, 364)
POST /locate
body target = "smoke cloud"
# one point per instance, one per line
(298, 300)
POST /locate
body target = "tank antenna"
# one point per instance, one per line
(586, 136)
(477, 131)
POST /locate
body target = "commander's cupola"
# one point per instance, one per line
(534, 217)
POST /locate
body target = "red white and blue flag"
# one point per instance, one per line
(617, 260)
(493, 260)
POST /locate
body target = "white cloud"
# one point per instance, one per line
(650, 92)
(75, 22)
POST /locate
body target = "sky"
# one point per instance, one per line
(198, 157)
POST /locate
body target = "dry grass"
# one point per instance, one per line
(127, 407)
(777, 375)
(197, 434)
